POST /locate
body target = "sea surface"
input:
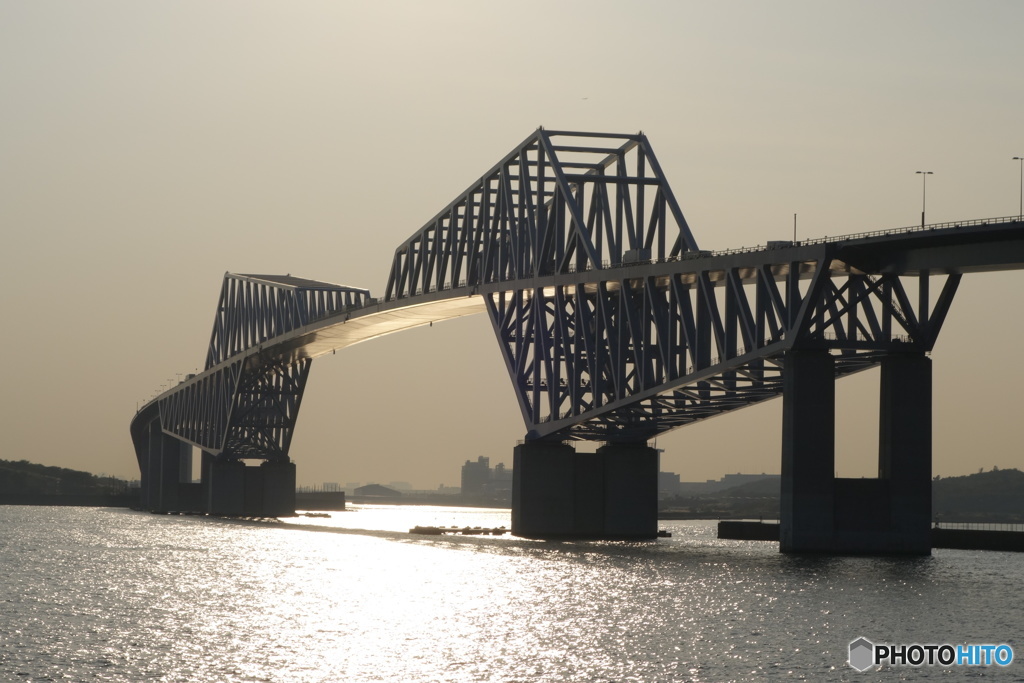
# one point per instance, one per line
(103, 594)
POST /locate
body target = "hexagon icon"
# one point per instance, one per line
(862, 654)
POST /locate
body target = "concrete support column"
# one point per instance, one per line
(205, 477)
(278, 489)
(185, 466)
(171, 454)
(253, 493)
(227, 488)
(808, 452)
(232, 488)
(558, 493)
(150, 483)
(542, 490)
(887, 515)
(905, 448)
(630, 490)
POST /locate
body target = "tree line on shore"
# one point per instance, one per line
(26, 478)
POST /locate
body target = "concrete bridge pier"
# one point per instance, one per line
(234, 489)
(168, 467)
(149, 493)
(560, 494)
(822, 513)
(278, 489)
(226, 487)
(905, 450)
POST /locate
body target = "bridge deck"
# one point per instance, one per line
(965, 247)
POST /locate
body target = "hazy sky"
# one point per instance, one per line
(148, 147)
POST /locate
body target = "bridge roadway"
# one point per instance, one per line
(614, 327)
(975, 246)
(961, 247)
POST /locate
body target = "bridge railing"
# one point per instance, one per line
(931, 227)
(704, 253)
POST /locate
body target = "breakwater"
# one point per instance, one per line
(960, 539)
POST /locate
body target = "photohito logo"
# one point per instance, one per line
(864, 654)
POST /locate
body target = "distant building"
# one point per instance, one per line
(475, 476)
(479, 479)
(668, 484)
(376, 490)
(501, 478)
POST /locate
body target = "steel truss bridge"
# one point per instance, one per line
(614, 325)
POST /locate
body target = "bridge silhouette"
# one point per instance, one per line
(615, 327)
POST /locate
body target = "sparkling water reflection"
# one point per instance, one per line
(102, 594)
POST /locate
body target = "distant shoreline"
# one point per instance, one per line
(131, 500)
(110, 500)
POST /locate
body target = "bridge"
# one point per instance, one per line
(615, 327)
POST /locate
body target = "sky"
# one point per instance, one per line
(148, 148)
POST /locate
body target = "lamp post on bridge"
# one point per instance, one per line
(1020, 211)
(924, 186)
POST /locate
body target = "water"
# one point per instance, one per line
(94, 594)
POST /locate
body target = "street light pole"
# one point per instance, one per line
(924, 187)
(1020, 215)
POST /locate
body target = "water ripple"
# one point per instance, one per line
(112, 595)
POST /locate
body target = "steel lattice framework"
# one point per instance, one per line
(561, 202)
(244, 405)
(626, 358)
(612, 324)
(256, 308)
(651, 333)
